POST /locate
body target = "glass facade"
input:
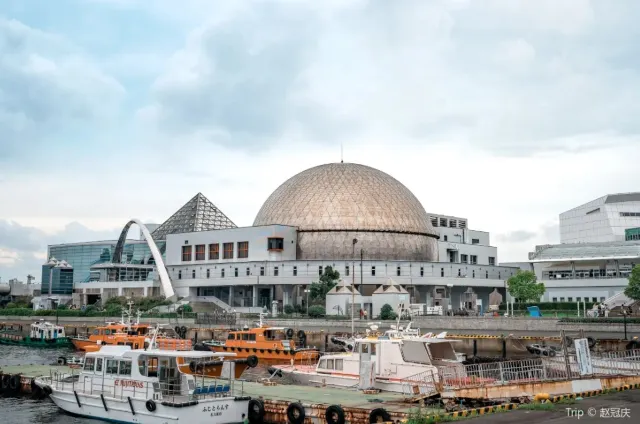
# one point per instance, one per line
(61, 280)
(83, 256)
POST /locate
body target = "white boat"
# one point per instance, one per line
(122, 385)
(389, 364)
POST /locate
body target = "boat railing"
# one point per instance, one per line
(123, 387)
(424, 383)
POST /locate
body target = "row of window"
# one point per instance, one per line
(242, 250)
(113, 366)
(214, 251)
(473, 241)
(448, 222)
(630, 237)
(578, 299)
(276, 272)
(629, 213)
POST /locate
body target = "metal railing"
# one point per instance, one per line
(216, 318)
(424, 383)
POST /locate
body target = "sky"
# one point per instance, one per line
(505, 112)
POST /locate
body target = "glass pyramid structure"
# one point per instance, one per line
(198, 214)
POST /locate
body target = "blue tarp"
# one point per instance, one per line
(534, 311)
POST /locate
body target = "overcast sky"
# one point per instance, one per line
(502, 111)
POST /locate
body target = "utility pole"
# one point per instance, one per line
(361, 254)
(353, 285)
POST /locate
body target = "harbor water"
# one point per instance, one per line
(23, 410)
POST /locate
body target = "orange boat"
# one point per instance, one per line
(271, 345)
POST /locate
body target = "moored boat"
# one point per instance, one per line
(41, 334)
(271, 345)
(124, 385)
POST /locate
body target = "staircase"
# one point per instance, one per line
(209, 305)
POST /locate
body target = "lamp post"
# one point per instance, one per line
(624, 320)
(307, 292)
(353, 285)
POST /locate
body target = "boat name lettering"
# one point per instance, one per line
(129, 383)
(216, 410)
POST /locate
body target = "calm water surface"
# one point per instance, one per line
(24, 410)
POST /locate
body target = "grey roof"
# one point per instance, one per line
(623, 197)
(198, 214)
(586, 251)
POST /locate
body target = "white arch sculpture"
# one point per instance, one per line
(167, 287)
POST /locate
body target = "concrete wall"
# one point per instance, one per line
(256, 236)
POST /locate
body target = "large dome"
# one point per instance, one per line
(334, 203)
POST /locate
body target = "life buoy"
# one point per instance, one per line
(62, 360)
(379, 415)
(151, 405)
(295, 413)
(14, 383)
(255, 411)
(335, 415)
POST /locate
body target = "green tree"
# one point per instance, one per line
(289, 309)
(524, 287)
(386, 312)
(328, 280)
(317, 311)
(633, 288)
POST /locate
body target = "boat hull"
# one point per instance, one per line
(340, 380)
(206, 411)
(62, 342)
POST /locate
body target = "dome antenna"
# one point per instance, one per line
(341, 153)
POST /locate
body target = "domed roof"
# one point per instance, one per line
(345, 196)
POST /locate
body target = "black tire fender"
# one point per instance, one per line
(255, 411)
(295, 413)
(14, 383)
(151, 405)
(301, 334)
(252, 361)
(379, 415)
(289, 332)
(335, 415)
(552, 353)
(192, 366)
(62, 360)
(591, 341)
(5, 381)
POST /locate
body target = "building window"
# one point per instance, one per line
(625, 214)
(499, 278)
(462, 224)
(453, 223)
(578, 299)
(434, 221)
(295, 271)
(422, 271)
(179, 275)
(398, 271)
(594, 299)
(464, 259)
(275, 271)
(562, 299)
(602, 298)
(475, 241)
(243, 249)
(446, 237)
(570, 299)
(214, 251)
(555, 299)
(227, 251)
(492, 260)
(222, 272)
(459, 272)
(487, 274)
(193, 273)
(208, 273)
(186, 253)
(442, 272)
(474, 259)
(275, 243)
(373, 271)
(320, 270)
(346, 270)
(473, 274)
(235, 272)
(248, 272)
(199, 252)
(262, 271)
(443, 222)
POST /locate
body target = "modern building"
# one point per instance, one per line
(600, 245)
(604, 219)
(356, 219)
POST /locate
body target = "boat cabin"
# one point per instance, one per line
(156, 374)
(260, 338)
(45, 330)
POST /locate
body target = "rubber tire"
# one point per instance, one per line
(338, 411)
(5, 382)
(291, 413)
(255, 411)
(377, 414)
(591, 341)
(62, 360)
(552, 353)
(151, 405)
(301, 334)
(289, 333)
(633, 344)
(252, 361)
(192, 366)
(14, 383)
(303, 340)
(545, 352)
(536, 351)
